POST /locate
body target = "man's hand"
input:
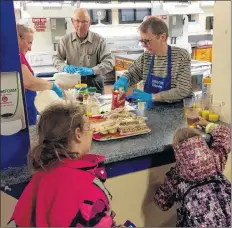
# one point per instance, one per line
(141, 96)
(70, 69)
(85, 71)
(122, 83)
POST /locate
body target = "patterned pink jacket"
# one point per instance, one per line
(196, 163)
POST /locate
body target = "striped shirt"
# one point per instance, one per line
(181, 79)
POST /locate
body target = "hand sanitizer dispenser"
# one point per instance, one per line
(12, 110)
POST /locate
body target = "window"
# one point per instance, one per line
(141, 13)
(129, 16)
(106, 20)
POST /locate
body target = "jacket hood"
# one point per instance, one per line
(87, 161)
(194, 159)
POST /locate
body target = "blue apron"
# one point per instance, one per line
(155, 83)
(31, 109)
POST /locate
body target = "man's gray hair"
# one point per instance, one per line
(155, 24)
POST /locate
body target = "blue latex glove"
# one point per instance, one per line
(70, 69)
(141, 96)
(57, 90)
(85, 71)
(122, 83)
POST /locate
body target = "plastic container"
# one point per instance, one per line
(93, 105)
(67, 81)
(214, 112)
(188, 104)
(205, 114)
(191, 117)
(118, 98)
(203, 54)
(46, 98)
(206, 86)
(141, 105)
(81, 92)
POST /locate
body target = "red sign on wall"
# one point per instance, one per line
(39, 24)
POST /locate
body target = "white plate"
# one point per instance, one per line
(106, 97)
(97, 95)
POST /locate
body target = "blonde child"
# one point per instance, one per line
(196, 184)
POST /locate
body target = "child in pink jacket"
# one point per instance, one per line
(196, 184)
(67, 188)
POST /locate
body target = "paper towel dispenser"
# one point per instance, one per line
(209, 22)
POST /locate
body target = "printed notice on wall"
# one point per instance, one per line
(40, 24)
(12, 110)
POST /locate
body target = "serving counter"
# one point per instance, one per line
(133, 165)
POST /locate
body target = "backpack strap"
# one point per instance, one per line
(198, 185)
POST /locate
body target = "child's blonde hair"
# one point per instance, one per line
(182, 134)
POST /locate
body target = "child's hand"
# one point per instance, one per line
(201, 122)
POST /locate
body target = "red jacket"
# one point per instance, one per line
(71, 193)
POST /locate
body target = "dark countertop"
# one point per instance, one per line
(162, 119)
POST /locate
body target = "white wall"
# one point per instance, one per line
(198, 28)
(221, 74)
(43, 40)
(17, 15)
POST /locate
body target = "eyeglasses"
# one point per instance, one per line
(78, 22)
(145, 42)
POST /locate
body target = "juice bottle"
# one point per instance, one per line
(93, 105)
(82, 92)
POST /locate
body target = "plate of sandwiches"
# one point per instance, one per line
(117, 124)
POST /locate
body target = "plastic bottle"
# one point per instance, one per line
(206, 91)
(93, 105)
(82, 92)
(118, 98)
(206, 86)
(141, 105)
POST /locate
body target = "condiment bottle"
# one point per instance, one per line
(93, 105)
(118, 98)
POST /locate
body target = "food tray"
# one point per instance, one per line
(101, 137)
(117, 135)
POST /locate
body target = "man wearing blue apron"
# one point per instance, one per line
(165, 70)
